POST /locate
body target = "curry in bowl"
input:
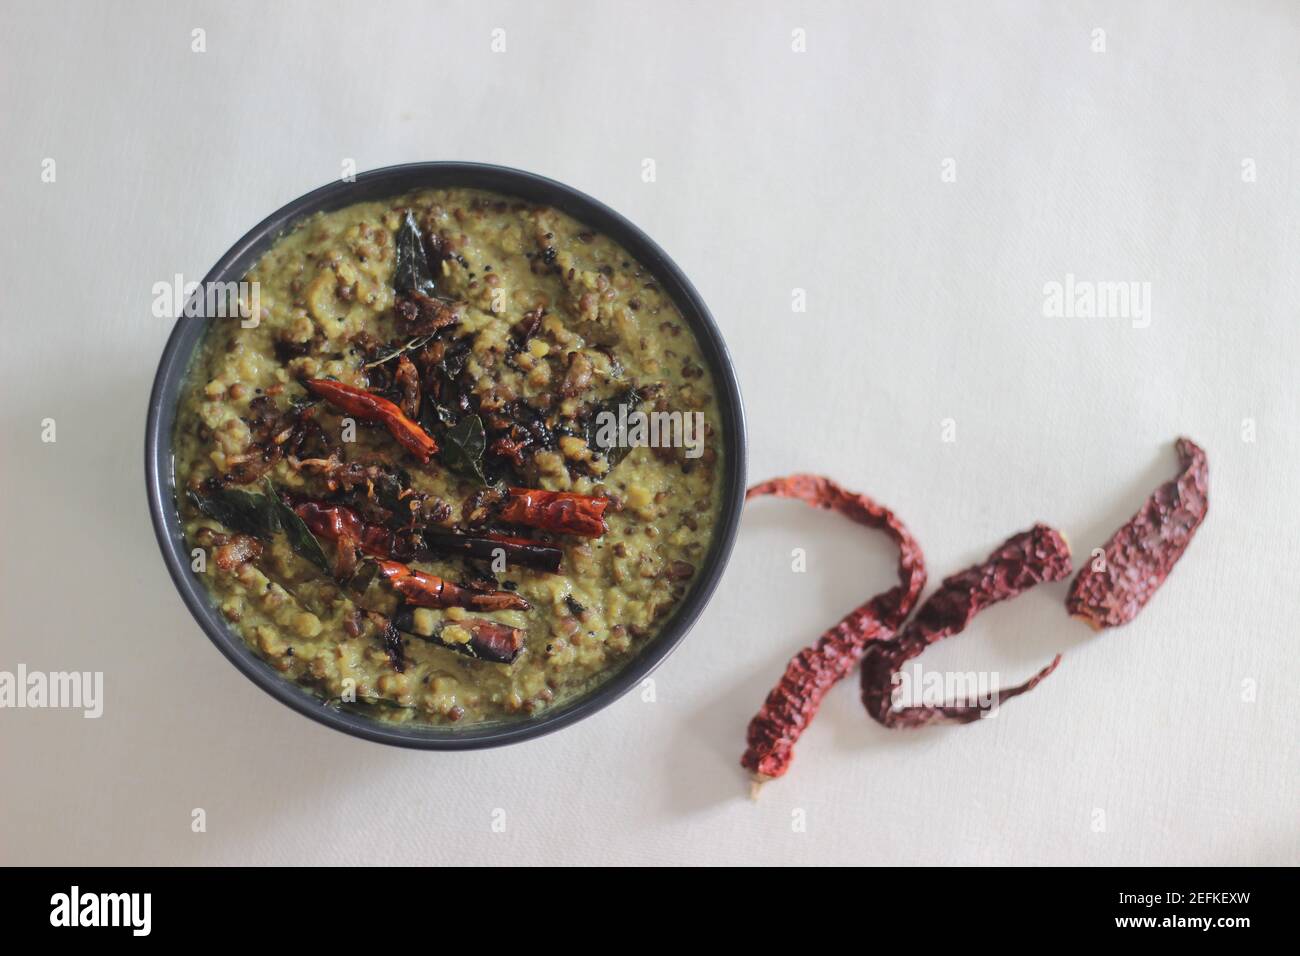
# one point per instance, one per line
(456, 461)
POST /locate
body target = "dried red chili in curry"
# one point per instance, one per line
(337, 522)
(427, 590)
(560, 512)
(340, 523)
(374, 408)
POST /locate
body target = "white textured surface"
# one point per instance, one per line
(776, 170)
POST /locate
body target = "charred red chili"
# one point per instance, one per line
(373, 408)
(488, 640)
(494, 641)
(1112, 588)
(341, 523)
(390, 640)
(427, 590)
(487, 547)
(791, 705)
(561, 512)
(1023, 560)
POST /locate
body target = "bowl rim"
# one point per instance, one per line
(390, 182)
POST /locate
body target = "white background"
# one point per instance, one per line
(776, 170)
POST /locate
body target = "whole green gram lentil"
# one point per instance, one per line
(595, 324)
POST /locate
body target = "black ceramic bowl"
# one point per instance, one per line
(383, 184)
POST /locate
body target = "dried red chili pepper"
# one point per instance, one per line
(494, 641)
(373, 408)
(426, 590)
(791, 705)
(486, 548)
(1112, 589)
(341, 523)
(488, 640)
(1023, 560)
(561, 512)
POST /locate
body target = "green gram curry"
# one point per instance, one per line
(459, 466)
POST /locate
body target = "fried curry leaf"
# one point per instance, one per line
(262, 516)
(301, 539)
(362, 576)
(435, 417)
(412, 272)
(239, 510)
(462, 449)
(614, 451)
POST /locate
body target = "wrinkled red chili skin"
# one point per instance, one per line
(521, 551)
(426, 590)
(337, 522)
(494, 641)
(794, 701)
(488, 640)
(373, 408)
(341, 523)
(1023, 560)
(1111, 590)
(560, 512)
